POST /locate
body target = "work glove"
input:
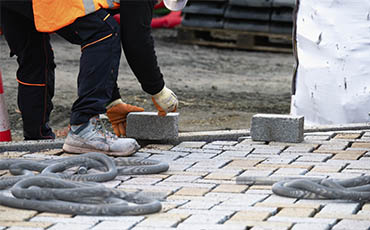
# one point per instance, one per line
(117, 113)
(165, 101)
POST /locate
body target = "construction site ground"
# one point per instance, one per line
(218, 89)
(200, 189)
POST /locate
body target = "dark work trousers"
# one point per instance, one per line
(98, 36)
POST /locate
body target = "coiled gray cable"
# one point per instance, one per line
(53, 190)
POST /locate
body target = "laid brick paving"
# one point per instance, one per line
(200, 191)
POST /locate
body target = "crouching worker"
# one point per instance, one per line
(26, 26)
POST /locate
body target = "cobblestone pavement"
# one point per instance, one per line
(200, 191)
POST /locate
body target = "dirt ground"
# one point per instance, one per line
(218, 89)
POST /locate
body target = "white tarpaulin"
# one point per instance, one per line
(332, 81)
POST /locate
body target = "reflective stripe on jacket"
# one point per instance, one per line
(51, 15)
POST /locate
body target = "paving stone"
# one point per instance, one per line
(311, 226)
(194, 226)
(142, 181)
(74, 226)
(279, 160)
(206, 219)
(24, 228)
(200, 156)
(190, 144)
(352, 224)
(152, 228)
(270, 225)
(274, 199)
(232, 188)
(63, 220)
(150, 126)
(366, 207)
(348, 135)
(314, 157)
(365, 145)
(192, 191)
(180, 178)
(221, 175)
(12, 214)
(25, 224)
(276, 127)
(327, 168)
(338, 208)
(296, 212)
(303, 220)
(234, 154)
(305, 148)
(250, 215)
(270, 150)
(290, 171)
(332, 146)
(204, 204)
(260, 173)
(158, 223)
(242, 164)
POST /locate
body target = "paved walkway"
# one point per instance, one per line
(200, 191)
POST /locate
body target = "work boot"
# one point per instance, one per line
(42, 132)
(92, 137)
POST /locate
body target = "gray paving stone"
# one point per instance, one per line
(299, 149)
(262, 173)
(331, 222)
(52, 219)
(352, 224)
(206, 219)
(27, 228)
(314, 157)
(310, 226)
(279, 199)
(290, 171)
(200, 204)
(181, 178)
(277, 127)
(194, 226)
(340, 209)
(190, 144)
(270, 150)
(74, 226)
(278, 160)
(150, 126)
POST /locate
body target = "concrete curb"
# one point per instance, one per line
(208, 136)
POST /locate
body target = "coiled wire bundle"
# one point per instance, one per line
(53, 190)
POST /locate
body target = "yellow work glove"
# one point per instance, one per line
(165, 101)
(117, 113)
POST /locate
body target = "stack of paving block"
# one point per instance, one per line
(269, 16)
(208, 14)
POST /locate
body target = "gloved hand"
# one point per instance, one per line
(165, 101)
(117, 113)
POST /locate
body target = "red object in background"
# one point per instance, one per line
(168, 21)
(159, 5)
(5, 134)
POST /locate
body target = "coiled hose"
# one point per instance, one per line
(53, 190)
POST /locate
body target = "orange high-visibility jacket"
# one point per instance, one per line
(51, 15)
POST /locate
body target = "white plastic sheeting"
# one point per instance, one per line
(332, 81)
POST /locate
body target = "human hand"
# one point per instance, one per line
(117, 114)
(165, 101)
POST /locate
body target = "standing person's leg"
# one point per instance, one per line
(99, 36)
(35, 73)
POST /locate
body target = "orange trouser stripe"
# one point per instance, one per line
(99, 40)
(29, 84)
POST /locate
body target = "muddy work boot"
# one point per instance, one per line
(92, 137)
